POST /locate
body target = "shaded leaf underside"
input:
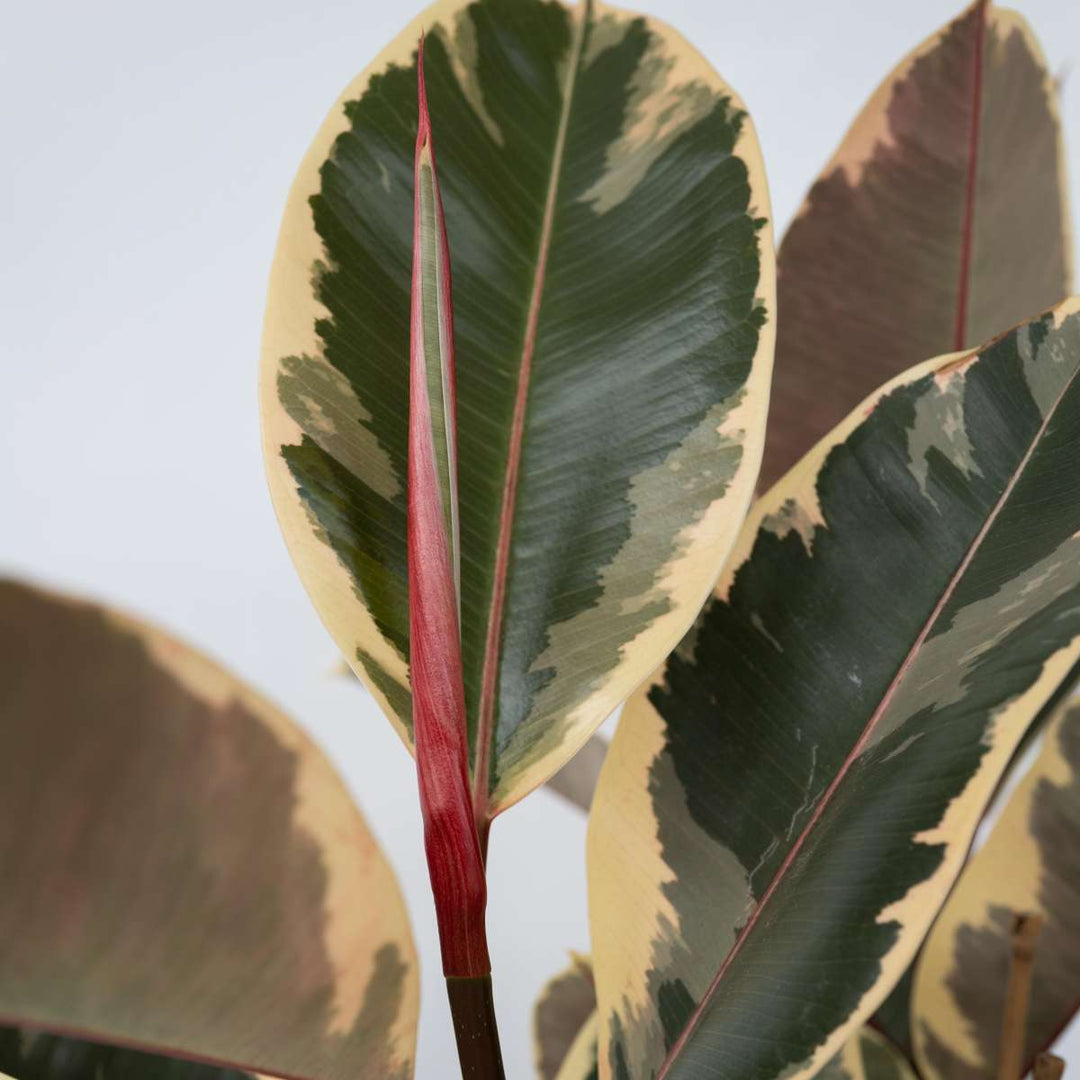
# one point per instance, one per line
(868, 1055)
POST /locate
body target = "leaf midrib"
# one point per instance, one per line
(967, 235)
(493, 637)
(860, 744)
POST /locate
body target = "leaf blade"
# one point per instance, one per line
(147, 764)
(564, 1037)
(608, 557)
(1024, 866)
(832, 581)
(954, 167)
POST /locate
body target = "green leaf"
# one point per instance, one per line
(783, 812)
(940, 221)
(893, 1017)
(613, 302)
(1030, 863)
(185, 872)
(39, 1056)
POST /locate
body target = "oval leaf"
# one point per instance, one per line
(955, 168)
(784, 810)
(1030, 863)
(613, 295)
(185, 871)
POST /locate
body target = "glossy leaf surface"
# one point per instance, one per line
(1029, 864)
(782, 813)
(613, 302)
(192, 877)
(940, 221)
(893, 1016)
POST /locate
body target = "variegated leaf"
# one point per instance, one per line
(1030, 863)
(940, 221)
(784, 810)
(613, 303)
(893, 1016)
(184, 871)
(868, 1055)
(565, 1009)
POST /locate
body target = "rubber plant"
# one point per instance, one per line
(515, 402)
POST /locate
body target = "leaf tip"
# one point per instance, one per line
(423, 133)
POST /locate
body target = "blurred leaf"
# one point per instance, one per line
(191, 876)
(941, 220)
(565, 1009)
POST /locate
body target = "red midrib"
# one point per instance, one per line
(868, 730)
(490, 677)
(967, 235)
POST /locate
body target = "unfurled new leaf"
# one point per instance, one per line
(783, 811)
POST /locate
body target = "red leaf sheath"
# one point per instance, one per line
(450, 839)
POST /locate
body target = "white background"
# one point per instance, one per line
(147, 152)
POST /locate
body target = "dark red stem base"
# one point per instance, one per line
(473, 1009)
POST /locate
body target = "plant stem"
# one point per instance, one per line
(1025, 934)
(473, 1009)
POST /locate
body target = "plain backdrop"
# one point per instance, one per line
(148, 148)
